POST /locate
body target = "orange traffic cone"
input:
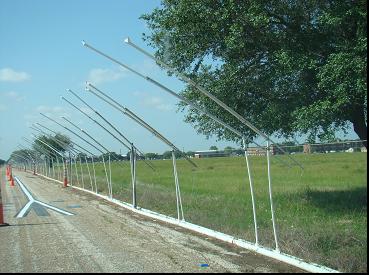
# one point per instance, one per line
(65, 175)
(11, 180)
(7, 172)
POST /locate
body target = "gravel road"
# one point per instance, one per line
(102, 237)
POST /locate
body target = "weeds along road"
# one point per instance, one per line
(102, 237)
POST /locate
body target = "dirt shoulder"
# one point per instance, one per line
(102, 237)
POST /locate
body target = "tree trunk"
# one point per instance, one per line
(360, 126)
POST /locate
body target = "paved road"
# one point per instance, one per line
(105, 238)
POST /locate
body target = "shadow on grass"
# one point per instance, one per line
(338, 201)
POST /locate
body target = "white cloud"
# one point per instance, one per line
(15, 96)
(54, 112)
(149, 67)
(30, 118)
(154, 102)
(98, 76)
(157, 103)
(9, 75)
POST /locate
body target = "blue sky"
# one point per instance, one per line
(41, 55)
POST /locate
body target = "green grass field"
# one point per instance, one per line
(321, 211)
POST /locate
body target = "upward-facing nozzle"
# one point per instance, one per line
(127, 40)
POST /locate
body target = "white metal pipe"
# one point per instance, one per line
(74, 133)
(48, 167)
(75, 166)
(90, 136)
(58, 172)
(175, 182)
(106, 174)
(111, 184)
(89, 173)
(71, 181)
(49, 146)
(87, 134)
(252, 192)
(133, 175)
(271, 198)
(193, 105)
(180, 214)
(73, 143)
(93, 167)
(310, 267)
(82, 176)
(199, 88)
(112, 126)
(95, 121)
(52, 163)
(135, 118)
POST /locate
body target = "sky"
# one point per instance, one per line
(41, 56)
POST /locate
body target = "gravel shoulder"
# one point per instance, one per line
(102, 237)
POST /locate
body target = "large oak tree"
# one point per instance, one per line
(291, 67)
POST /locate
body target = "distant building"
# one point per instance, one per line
(211, 154)
(252, 151)
(260, 151)
(344, 146)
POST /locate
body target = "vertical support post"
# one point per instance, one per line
(65, 173)
(82, 176)
(133, 174)
(180, 215)
(89, 173)
(45, 167)
(70, 170)
(41, 167)
(66, 169)
(75, 166)
(34, 167)
(106, 174)
(252, 191)
(271, 197)
(48, 166)
(58, 169)
(111, 184)
(93, 167)
(52, 164)
(61, 170)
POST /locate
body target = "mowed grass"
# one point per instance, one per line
(321, 211)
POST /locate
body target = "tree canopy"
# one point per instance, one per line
(289, 67)
(59, 142)
(23, 155)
